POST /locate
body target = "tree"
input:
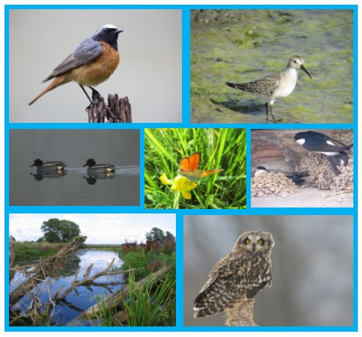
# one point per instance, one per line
(169, 236)
(56, 230)
(156, 235)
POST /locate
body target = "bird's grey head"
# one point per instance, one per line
(296, 62)
(254, 241)
(300, 137)
(109, 34)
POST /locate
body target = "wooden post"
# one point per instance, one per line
(118, 110)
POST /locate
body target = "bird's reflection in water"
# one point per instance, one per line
(92, 179)
(41, 175)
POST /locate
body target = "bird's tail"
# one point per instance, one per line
(56, 83)
(341, 158)
(235, 85)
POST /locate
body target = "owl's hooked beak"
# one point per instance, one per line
(253, 248)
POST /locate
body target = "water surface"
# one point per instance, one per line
(82, 297)
(75, 186)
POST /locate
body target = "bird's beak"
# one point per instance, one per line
(253, 248)
(305, 70)
(119, 31)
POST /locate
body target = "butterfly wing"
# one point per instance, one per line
(189, 168)
(208, 172)
(190, 163)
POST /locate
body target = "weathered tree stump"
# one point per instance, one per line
(118, 110)
(241, 315)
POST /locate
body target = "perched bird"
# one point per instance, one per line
(98, 168)
(49, 166)
(238, 276)
(92, 62)
(260, 170)
(275, 86)
(297, 179)
(320, 143)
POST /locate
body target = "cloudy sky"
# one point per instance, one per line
(99, 228)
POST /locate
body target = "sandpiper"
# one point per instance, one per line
(274, 86)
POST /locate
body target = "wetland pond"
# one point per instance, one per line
(82, 297)
(241, 46)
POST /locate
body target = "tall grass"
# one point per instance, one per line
(30, 250)
(150, 304)
(219, 149)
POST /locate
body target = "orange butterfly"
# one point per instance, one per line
(189, 168)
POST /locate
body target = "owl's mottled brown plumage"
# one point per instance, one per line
(238, 276)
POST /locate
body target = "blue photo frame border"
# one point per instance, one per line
(185, 124)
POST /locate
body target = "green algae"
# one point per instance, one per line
(243, 45)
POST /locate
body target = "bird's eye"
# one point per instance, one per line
(294, 61)
(247, 241)
(260, 242)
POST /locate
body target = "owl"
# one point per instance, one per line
(238, 276)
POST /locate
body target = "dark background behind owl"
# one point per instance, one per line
(312, 267)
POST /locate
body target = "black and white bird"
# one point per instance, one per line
(297, 179)
(260, 170)
(320, 143)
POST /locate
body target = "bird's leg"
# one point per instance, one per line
(95, 96)
(271, 112)
(86, 93)
(266, 113)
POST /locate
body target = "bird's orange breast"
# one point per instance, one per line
(98, 70)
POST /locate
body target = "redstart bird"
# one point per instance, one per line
(92, 62)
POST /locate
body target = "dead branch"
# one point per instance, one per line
(118, 297)
(118, 110)
(47, 267)
(89, 280)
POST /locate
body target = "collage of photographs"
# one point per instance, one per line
(230, 130)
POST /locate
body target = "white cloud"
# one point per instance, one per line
(99, 228)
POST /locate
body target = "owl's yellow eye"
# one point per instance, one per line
(247, 241)
(260, 242)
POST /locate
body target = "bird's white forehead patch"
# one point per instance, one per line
(106, 26)
(300, 141)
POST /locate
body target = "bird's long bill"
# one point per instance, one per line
(305, 70)
(198, 174)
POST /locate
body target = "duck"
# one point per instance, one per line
(48, 166)
(98, 168)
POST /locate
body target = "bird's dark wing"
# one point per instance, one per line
(337, 142)
(331, 145)
(86, 52)
(326, 146)
(224, 273)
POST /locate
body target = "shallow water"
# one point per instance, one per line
(83, 297)
(75, 186)
(242, 46)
